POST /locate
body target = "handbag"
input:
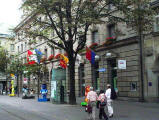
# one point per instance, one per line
(98, 103)
(88, 109)
(103, 103)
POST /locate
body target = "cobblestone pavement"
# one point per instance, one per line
(14, 108)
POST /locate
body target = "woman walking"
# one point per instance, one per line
(102, 104)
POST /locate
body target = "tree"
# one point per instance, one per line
(15, 67)
(70, 20)
(35, 70)
(4, 60)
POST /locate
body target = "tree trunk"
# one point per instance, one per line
(72, 96)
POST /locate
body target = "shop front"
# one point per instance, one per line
(58, 85)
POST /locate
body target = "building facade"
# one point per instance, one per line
(117, 62)
(8, 46)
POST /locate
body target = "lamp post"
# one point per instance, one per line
(141, 53)
(18, 79)
(5, 52)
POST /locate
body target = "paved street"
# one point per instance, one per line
(14, 108)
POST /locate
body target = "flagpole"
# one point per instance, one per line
(38, 82)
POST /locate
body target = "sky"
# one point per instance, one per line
(10, 15)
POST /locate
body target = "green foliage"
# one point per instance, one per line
(4, 59)
(33, 69)
(69, 19)
(140, 15)
(15, 67)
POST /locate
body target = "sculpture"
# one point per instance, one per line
(43, 92)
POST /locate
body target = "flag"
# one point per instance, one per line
(31, 57)
(65, 59)
(90, 55)
(38, 52)
(12, 75)
(39, 55)
(63, 64)
(93, 57)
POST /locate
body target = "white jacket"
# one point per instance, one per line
(108, 94)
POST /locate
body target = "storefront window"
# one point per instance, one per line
(133, 86)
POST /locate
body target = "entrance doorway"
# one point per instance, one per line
(95, 75)
(58, 85)
(112, 72)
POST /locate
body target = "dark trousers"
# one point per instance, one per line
(102, 113)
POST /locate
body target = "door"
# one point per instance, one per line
(58, 85)
(112, 72)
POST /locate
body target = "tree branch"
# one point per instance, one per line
(53, 24)
(68, 16)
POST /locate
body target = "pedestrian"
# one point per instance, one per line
(92, 98)
(10, 89)
(109, 100)
(102, 104)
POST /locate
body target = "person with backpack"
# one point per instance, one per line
(102, 104)
(110, 95)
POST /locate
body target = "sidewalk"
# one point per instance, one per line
(126, 110)
(123, 110)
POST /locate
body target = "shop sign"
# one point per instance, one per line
(101, 69)
(25, 80)
(121, 64)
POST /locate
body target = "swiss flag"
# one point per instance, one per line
(29, 54)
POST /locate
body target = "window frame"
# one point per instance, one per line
(94, 37)
(156, 26)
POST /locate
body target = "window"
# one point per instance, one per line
(60, 51)
(21, 47)
(52, 51)
(12, 47)
(25, 46)
(156, 25)
(95, 37)
(80, 39)
(133, 86)
(12, 57)
(111, 30)
(18, 49)
(46, 53)
(110, 5)
(53, 33)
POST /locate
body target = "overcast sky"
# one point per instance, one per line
(10, 15)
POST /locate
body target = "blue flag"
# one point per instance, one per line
(39, 54)
(93, 57)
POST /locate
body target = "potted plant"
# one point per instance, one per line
(93, 45)
(109, 40)
(51, 57)
(57, 56)
(43, 59)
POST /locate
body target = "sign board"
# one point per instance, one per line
(25, 80)
(25, 71)
(101, 69)
(121, 64)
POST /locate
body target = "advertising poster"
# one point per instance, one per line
(53, 89)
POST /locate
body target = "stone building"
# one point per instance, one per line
(8, 46)
(117, 62)
(54, 76)
(124, 49)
